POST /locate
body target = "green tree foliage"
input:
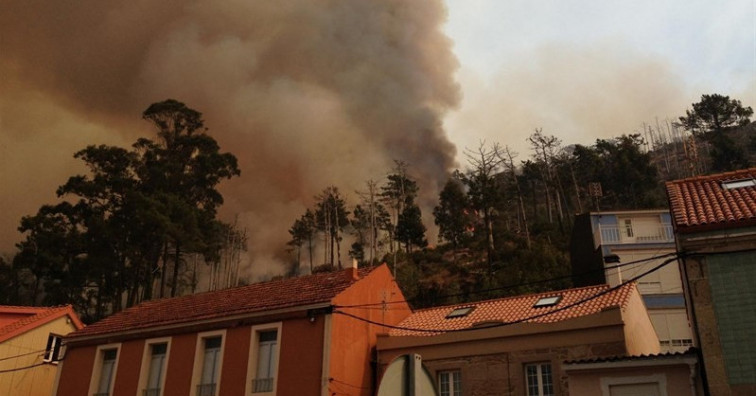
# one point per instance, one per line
(712, 118)
(302, 233)
(331, 217)
(399, 194)
(454, 214)
(716, 113)
(627, 176)
(136, 212)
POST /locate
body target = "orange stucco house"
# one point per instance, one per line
(272, 338)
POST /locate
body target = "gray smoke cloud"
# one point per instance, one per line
(305, 93)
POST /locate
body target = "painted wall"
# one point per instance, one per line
(353, 341)
(640, 336)
(29, 348)
(492, 361)
(299, 367)
(720, 288)
(673, 379)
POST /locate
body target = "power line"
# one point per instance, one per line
(507, 287)
(521, 320)
(24, 354)
(22, 368)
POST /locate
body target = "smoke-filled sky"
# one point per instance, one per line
(587, 69)
(312, 93)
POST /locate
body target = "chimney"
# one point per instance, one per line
(352, 271)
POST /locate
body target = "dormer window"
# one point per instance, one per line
(733, 184)
(459, 312)
(547, 301)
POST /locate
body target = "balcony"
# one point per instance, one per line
(151, 392)
(206, 390)
(613, 234)
(262, 385)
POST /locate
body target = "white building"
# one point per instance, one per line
(615, 246)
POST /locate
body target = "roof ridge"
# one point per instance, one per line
(713, 176)
(255, 298)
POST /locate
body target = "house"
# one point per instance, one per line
(30, 341)
(671, 373)
(272, 338)
(516, 345)
(714, 219)
(614, 246)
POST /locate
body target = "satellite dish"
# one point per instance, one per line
(406, 376)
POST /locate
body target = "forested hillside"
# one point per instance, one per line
(143, 223)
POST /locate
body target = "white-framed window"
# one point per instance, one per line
(104, 372)
(539, 380)
(208, 360)
(154, 366)
(450, 383)
(263, 359)
(629, 228)
(53, 348)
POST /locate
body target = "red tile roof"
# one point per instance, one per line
(18, 320)
(258, 297)
(518, 308)
(701, 203)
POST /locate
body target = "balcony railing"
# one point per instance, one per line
(262, 385)
(621, 234)
(151, 392)
(206, 390)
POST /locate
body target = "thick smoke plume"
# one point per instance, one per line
(305, 93)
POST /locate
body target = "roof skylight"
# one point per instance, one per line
(731, 184)
(547, 301)
(459, 312)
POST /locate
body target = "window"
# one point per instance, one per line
(154, 365)
(52, 350)
(208, 360)
(263, 359)
(459, 312)
(104, 373)
(449, 383)
(210, 364)
(539, 379)
(266, 361)
(731, 184)
(547, 301)
(629, 228)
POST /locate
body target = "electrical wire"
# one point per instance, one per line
(22, 368)
(507, 287)
(22, 355)
(521, 320)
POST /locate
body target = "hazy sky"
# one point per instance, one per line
(584, 69)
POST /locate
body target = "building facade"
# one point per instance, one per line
(271, 338)
(666, 374)
(30, 341)
(615, 246)
(715, 227)
(515, 346)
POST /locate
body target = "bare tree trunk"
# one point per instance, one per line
(176, 264)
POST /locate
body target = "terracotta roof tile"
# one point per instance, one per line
(18, 320)
(248, 299)
(513, 309)
(701, 203)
